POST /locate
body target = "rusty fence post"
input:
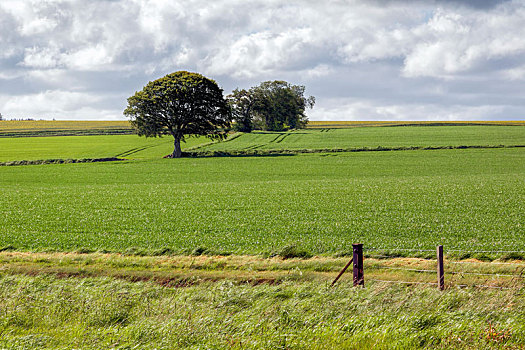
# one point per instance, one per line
(440, 268)
(359, 275)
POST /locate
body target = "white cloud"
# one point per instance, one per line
(348, 109)
(387, 53)
(57, 104)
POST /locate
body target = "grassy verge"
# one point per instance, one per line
(42, 308)
(185, 270)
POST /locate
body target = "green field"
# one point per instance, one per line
(372, 137)
(324, 202)
(93, 146)
(64, 283)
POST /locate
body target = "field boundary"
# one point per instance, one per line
(50, 133)
(186, 270)
(252, 152)
(359, 124)
(468, 273)
(60, 161)
(272, 152)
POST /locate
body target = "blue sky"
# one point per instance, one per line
(362, 60)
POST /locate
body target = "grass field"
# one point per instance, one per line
(73, 236)
(409, 199)
(94, 146)
(372, 137)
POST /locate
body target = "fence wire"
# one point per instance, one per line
(402, 268)
(384, 253)
(402, 282)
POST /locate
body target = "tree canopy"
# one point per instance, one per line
(272, 105)
(180, 104)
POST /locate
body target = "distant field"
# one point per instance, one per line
(352, 124)
(374, 137)
(18, 128)
(62, 127)
(95, 146)
(411, 199)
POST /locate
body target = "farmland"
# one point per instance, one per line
(460, 198)
(372, 137)
(190, 253)
(93, 146)
(24, 128)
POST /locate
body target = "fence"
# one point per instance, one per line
(501, 274)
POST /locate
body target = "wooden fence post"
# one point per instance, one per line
(359, 275)
(440, 268)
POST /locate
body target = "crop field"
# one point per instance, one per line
(471, 198)
(93, 146)
(356, 124)
(21, 128)
(198, 252)
(371, 137)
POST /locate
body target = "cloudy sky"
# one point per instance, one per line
(361, 59)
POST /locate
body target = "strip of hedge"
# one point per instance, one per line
(59, 161)
(284, 152)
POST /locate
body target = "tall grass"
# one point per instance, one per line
(95, 313)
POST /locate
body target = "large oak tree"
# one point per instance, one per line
(180, 104)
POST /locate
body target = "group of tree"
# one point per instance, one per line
(272, 105)
(183, 104)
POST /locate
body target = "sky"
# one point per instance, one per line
(361, 59)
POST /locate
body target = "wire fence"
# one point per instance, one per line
(471, 273)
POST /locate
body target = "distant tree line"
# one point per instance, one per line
(273, 105)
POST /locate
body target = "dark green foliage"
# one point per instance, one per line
(241, 103)
(179, 104)
(273, 105)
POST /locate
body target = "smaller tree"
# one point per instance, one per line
(1, 118)
(241, 103)
(180, 104)
(272, 105)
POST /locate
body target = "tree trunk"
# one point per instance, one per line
(177, 152)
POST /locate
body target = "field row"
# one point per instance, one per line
(95, 146)
(50, 125)
(464, 199)
(316, 124)
(410, 136)
(135, 147)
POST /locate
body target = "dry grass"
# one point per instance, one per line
(189, 270)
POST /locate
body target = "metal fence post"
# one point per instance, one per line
(359, 275)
